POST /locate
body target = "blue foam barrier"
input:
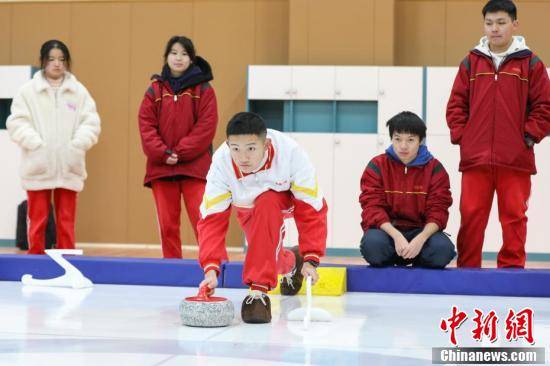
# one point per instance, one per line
(452, 281)
(106, 270)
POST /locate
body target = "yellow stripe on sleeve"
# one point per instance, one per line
(308, 191)
(214, 201)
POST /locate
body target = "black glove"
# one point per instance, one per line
(313, 263)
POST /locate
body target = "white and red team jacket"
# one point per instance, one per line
(287, 167)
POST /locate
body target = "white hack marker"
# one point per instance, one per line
(72, 278)
(309, 313)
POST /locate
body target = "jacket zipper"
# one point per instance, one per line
(494, 101)
(174, 167)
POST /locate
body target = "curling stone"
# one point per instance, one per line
(204, 310)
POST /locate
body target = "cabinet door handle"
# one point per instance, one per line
(337, 142)
(338, 93)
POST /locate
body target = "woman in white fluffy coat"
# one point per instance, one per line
(54, 121)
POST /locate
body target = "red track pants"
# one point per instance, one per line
(37, 218)
(167, 196)
(264, 229)
(478, 186)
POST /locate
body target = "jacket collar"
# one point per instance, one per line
(518, 44)
(423, 156)
(203, 75)
(518, 48)
(41, 84)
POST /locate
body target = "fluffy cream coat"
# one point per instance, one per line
(54, 128)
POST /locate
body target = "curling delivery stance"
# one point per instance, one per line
(266, 176)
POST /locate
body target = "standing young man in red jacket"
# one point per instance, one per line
(405, 197)
(498, 109)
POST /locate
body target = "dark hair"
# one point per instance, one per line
(506, 6)
(246, 123)
(50, 45)
(186, 43)
(407, 122)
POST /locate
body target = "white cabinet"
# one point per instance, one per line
(352, 152)
(400, 89)
(319, 149)
(449, 156)
(269, 82)
(11, 78)
(439, 82)
(340, 160)
(356, 83)
(290, 82)
(537, 234)
(312, 82)
(11, 194)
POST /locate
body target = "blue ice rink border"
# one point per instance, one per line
(106, 270)
(187, 273)
(485, 282)
(452, 281)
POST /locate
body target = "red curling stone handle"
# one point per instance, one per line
(203, 296)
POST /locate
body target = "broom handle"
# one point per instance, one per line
(307, 317)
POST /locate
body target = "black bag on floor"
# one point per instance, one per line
(21, 240)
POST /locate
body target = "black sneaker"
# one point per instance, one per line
(256, 308)
(291, 283)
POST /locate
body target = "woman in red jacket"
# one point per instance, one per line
(177, 122)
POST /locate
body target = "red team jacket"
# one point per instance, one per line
(491, 111)
(183, 123)
(406, 196)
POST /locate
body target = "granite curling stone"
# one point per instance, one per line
(204, 310)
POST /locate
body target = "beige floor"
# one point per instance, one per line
(235, 254)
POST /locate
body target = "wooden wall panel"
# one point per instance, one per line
(416, 23)
(271, 40)
(298, 33)
(463, 29)
(353, 32)
(32, 26)
(533, 24)
(341, 37)
(5, 34)
(100, 36)
(147, 44)
(384, 32)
